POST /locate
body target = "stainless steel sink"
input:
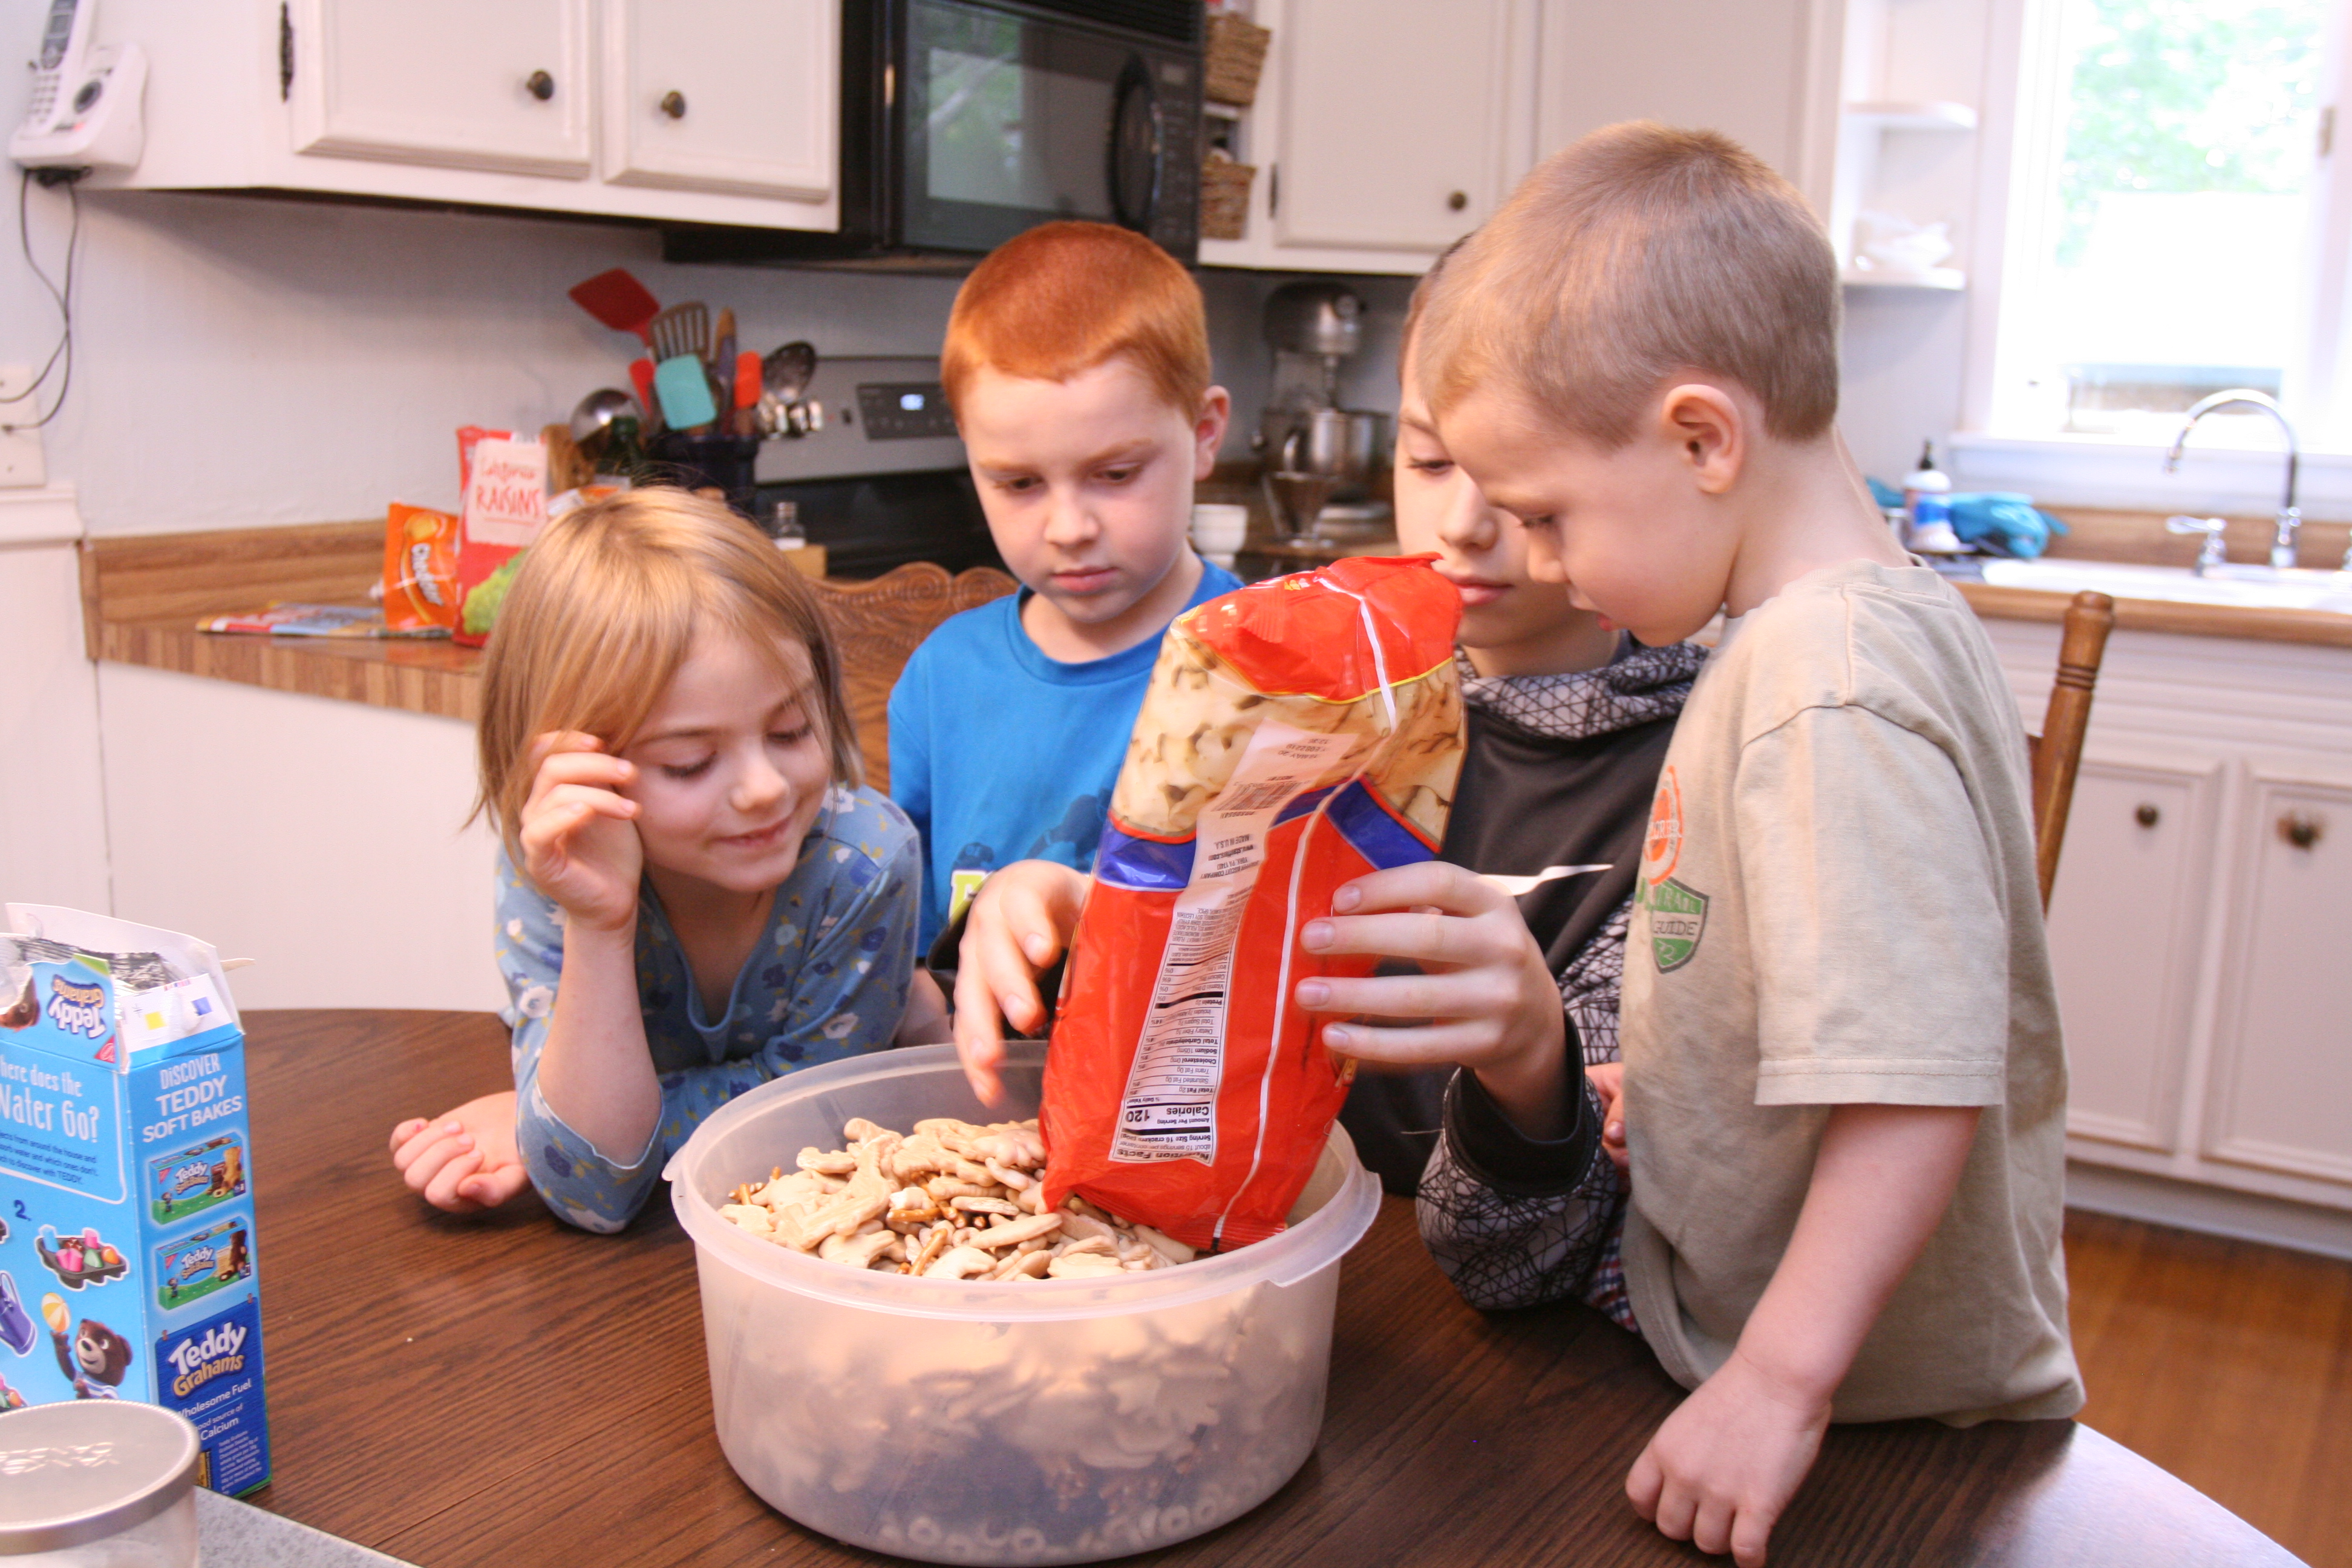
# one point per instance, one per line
(2252, 587)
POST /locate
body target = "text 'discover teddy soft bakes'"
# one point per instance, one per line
(126, 1232)
(1297, 734)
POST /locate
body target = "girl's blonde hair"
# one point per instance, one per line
(601, 614)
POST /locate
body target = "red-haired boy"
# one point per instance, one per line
(1077, 365)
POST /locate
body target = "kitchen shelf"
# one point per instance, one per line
(1944, 280)
(1923, 116)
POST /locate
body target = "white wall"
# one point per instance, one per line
(242, 361)
(53, 838)
(1906, 350)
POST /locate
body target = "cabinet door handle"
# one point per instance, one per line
(539, 85)
(2300, 828)
(2148, 815)
(1456, 202)
(673, 103)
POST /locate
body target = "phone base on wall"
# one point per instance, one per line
(97, 123)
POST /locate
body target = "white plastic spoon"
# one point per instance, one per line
(1519, 886)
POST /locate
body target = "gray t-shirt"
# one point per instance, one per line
(1838, 905)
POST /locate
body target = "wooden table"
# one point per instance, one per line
(509, 1391)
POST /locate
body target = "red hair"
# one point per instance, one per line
(1062, 298)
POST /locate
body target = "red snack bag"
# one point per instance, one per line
(1297, 734)
(420, 568)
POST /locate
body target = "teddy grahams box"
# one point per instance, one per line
(126, 1181)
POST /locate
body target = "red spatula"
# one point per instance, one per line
(619, 301)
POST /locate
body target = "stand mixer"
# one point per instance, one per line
(1315, 451)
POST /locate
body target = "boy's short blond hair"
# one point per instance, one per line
(601, 614)
(1634, 255)
(1058, 300)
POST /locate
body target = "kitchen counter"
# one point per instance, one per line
(142, 594)
(507, 1390)
(2140, 537)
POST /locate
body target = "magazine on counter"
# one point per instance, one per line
(316, 621)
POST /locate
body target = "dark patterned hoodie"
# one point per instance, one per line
(1560, 772)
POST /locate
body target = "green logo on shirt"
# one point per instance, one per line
(1677, 920)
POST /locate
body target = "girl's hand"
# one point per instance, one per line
(579, 846)
(1484, 999)
(1609, 1079)
(464, 1160)
(1018, 923)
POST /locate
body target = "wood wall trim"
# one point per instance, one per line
(179, 576)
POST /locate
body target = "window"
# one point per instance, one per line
(2171, 226)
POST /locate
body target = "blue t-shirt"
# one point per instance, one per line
(999, 753)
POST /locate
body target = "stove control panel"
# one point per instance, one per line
(903, 411)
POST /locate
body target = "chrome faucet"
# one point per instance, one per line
(2290, 516)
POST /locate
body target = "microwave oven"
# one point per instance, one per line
(965, 121)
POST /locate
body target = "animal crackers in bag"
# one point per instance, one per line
(1296, 735)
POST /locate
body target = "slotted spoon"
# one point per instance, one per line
(681, 330)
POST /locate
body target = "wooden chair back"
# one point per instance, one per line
(876, 625)
(2058, 750)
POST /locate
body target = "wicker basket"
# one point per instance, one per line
(1235, 56)
(1225, 198)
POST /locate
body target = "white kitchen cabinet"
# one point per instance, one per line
(683, 111)
(2282, 1058)
(446, 82)
(2204, 960)
(1392, 128)
(1763, 72)
(432, 100)
(2127, 923)
(1383, 130)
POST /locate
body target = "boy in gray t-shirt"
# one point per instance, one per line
(1843, 1092)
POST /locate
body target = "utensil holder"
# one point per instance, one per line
(713, 462)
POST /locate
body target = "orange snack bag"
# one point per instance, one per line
(420, 568)
(1297, 734)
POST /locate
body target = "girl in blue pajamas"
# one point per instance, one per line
(695, 894)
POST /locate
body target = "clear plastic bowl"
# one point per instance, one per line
(1050, 1421)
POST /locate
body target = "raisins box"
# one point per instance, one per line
(128, 1253)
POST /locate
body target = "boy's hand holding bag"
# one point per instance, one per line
(1297, 734)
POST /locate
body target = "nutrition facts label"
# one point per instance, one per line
(1170, 1109)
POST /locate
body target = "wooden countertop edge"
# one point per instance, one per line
(411, 676)
(2319, 627)
(443, 681)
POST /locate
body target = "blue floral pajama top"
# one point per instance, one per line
(827, 979)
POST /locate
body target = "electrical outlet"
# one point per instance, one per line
(21, 466)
